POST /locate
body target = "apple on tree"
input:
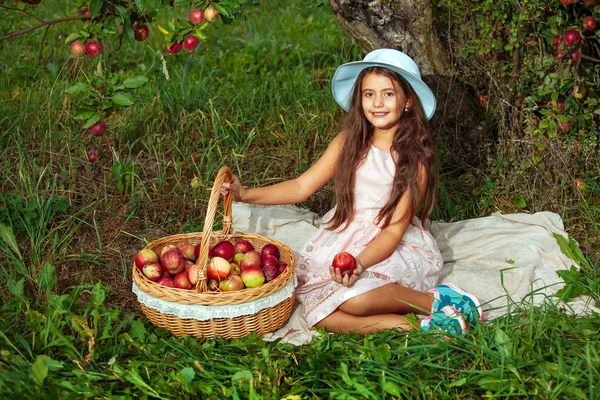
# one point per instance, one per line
(211, 14)
(196, 16)
(93, 48)
(77, 48)
(140, 32)
(191, 42)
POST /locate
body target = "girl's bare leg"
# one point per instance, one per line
(341, 322)
(389, 299)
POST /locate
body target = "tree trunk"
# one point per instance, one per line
(409, 26)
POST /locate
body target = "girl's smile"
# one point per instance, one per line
(383, 101)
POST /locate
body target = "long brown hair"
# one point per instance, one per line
(413, 148)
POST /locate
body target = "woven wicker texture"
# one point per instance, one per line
(264, 321)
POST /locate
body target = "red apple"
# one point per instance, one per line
(589, 23)
(181, 281)
(196, 16)
(167, 248)
(251, 259)
(564, 127)
(98, 129)
(92, 156)
(271, 272)
(193, 274)
(93, 49)
(234, 282)
(252, 277)
(271, 249)
(190, 43)
(77, 48)
(140, 32)
(218, 268)
(560, 54)
(572, 37)
(174, 48)
(575, 56)
(144, 257)
(153, 271)
(211, 14)
(224, 249)
(243, 246)
(85, 11)
(345, 262)
(167, 281)
(188, 251)
(173, 261)
(269, 261)
(557, 41)
(282, 266)
(579, 91)
(565, 2)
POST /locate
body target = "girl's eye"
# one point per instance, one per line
(368, 94)
(389, 94)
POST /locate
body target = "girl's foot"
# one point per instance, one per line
(463, 302)
(446, 319)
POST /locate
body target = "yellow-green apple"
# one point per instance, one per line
(235, 269)
(252, 277)
(77, 48)
(238, 258)
(234, 282)
(211, 14)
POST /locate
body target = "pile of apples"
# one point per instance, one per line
(230, 266)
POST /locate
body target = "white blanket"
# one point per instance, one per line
(504, 259)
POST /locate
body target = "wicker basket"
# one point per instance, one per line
(263, 321)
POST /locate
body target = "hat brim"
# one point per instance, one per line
(345, 77)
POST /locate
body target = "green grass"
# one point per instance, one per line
(258, 100)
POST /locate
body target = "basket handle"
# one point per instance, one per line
(224, 175)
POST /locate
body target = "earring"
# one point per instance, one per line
(405, 109)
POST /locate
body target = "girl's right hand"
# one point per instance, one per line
(235, 187)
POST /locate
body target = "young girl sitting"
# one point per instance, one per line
(383, 166)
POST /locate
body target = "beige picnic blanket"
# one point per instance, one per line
(505, 259)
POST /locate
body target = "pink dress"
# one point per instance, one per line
(415, 263)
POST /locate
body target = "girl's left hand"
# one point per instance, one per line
(346, 280)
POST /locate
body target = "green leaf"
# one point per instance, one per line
(504, 343)
(95, 7)
(77, 87)
(39, 370)
(98, 294)
(122, 99)
(392, 389)
(187, 374)
(127, 28)
(48, 277)
(136, 81)
(72, 37)
(9, 238)
(141, 4)
(95, 117)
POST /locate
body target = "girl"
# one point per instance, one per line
(383, 165)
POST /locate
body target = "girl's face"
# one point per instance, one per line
(383, 101)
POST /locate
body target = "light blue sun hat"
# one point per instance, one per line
(346, 74)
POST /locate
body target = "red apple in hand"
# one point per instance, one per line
(345, 262)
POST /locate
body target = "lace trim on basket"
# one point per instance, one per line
(205, 313)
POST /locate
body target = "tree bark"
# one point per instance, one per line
(409, 26)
